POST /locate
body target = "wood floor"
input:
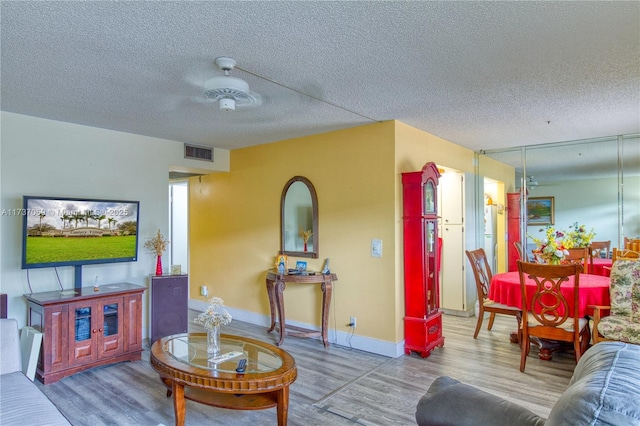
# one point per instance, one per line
(335, 385)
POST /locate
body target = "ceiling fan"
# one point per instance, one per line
(230, 92)
(529, 183)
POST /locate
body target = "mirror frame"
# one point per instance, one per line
(314, 205)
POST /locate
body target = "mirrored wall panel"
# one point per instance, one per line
(594, 182)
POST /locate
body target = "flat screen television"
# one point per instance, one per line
(67, 231)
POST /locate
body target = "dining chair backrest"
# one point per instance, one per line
(599, 249)
(481, 271)
(624, 254)
(521, 253)
(578, 256)
(632, 243)
(548, 305)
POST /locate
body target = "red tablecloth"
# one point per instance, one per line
(594, 290)
(599, 267)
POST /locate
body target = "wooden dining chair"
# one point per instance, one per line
(579, 256)
(546, 311)
(598, 250)
(482, 274)
(621, 319)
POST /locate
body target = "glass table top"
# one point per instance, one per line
(192, 349)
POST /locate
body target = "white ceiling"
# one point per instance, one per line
(480, 74)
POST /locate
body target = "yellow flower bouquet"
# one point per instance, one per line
(551, 249)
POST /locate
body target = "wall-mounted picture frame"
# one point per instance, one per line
(540, 211)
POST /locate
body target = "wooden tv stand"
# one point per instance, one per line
(84, 328)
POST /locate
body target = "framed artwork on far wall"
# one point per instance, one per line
(540, 211)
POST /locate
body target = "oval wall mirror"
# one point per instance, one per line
(299, 218)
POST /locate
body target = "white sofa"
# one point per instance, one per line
(21, 402)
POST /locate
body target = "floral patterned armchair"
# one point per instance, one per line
(623, 322)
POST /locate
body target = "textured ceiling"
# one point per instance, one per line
(481, 74)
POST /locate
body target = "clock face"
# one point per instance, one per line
(429, 198)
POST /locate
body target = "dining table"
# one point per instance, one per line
(593, 290)
(601, 267)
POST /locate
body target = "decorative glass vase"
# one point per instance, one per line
(213, 340)
(159, 265)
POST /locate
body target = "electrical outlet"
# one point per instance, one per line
(352, 322)
(203, 290)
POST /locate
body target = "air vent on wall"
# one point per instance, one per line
(198, 152)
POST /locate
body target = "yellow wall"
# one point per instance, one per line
(235, 226)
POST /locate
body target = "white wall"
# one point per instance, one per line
(51, 158)
(179, 233)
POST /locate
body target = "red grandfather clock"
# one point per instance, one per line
(423, 318)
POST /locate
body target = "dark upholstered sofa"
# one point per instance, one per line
(604, 390)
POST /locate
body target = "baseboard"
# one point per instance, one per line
(466, 314)
(340, 338)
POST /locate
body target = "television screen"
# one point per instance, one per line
(73, 231)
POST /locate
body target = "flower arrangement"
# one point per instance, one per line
(157, 244)
(578, 237)
(305, 235)
(215, 315)
(551, 249)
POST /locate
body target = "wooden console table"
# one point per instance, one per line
(276, 284)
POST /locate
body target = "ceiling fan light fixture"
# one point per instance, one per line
(227, 104)
(215, 85)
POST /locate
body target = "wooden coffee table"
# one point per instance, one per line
(185, 368)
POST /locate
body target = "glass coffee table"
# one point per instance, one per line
(189, 372)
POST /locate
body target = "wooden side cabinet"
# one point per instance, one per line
(423, 317)
(84, 328)
(169, 310)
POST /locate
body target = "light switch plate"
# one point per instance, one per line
(376, 248)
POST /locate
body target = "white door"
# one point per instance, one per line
(452, 281)
(451, 189)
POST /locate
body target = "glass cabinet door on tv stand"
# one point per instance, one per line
(96, 330)
(423, 318)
